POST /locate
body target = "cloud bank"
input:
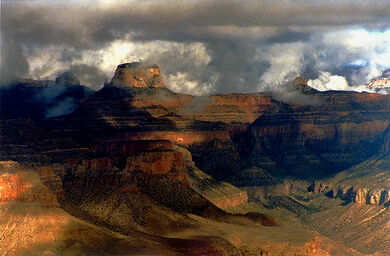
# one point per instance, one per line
(202, 47)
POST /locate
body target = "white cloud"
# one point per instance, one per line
(180, 82)
(326, 81)
(370, 49)
(286, 62)
(45, 63)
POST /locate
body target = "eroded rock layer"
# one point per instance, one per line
(122, 160)
(316, 141)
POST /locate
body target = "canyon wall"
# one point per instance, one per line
(122, 161)
(317, 141)
(371, 196)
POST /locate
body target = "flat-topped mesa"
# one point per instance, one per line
(137, 74)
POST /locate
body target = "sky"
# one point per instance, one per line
(201, 47)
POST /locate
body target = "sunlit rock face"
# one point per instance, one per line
(138, 75)
(18, 185)
(348, 193)
(30, 218)
(373, 197)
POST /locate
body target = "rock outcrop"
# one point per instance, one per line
(137, 75)
(366, 183)
(371, 196)
(300, 84)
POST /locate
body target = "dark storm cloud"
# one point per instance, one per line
(90, 75)
(13, 61)
(181, 14)
(235, 35)
(236, 61)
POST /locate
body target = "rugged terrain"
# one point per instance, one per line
(143, 169)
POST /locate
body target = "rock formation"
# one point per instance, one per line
(366, 183)
(323, 139)
(370, 196)
(137, 75)
(32, 222)
(130, 158)
(300, 84)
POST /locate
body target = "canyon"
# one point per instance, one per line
(174, 174)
